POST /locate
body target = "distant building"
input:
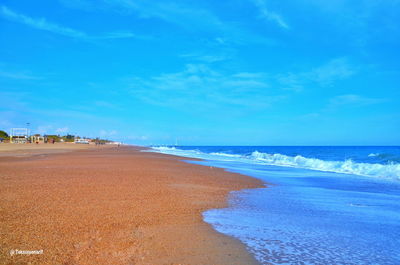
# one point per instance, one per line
(117, 143)
(82, 141)
(38, 139)
(19, 135)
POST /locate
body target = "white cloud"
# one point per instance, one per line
(43, 129)
(184, 16)
(40, 23)
(43, 24)
(291, 81)
(117, 35)
(269, 15)
(198, 85)
(249, 75)
(335, 69)
(205, 58)
(353, 100)
(191, 18)
(135, 137)
(345, 101)
(107, 133)
(324, 75)
(62, 130)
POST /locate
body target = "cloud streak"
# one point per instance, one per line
(353, 100)
(323, 75)
(192, 19)
(200, 86)
(43, 24)
(62, 130)
(268, 15)
(187, 17)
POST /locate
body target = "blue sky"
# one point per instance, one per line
(240, 72)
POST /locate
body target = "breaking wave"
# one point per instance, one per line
(390, 170)
(347, 166)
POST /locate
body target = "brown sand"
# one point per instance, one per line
(7, 149)
(114, 206)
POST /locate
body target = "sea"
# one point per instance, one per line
(320, 204)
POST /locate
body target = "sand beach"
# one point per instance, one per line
(81, 204)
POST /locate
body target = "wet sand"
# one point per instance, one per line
(114, 205)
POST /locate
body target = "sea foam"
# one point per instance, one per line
(348, 166)
(391, 170)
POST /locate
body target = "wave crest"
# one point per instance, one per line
(391, 170)
(347, 166)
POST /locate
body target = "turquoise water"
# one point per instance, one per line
(306, 215)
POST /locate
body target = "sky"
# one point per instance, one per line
(239, 72)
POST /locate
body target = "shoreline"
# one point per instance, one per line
(116, 206)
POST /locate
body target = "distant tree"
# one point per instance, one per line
(3, 134)
(55, 137)
(68, 138)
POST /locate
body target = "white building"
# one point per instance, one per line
(19, 135)
(82, 141)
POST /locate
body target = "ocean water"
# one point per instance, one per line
(322, 205)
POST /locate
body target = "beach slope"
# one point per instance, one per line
(114, 205)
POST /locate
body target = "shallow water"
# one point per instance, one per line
(308, 216)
